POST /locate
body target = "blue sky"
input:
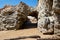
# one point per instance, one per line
(32, 3)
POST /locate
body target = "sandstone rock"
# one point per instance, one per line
(48, 16)
(43, 24)
(22, 7)
(56, 8)
(45, 21)
(57, 24)
(44, 8)
(11, 20)
(56, 5)
(32, 19)
(12, 17)
(44, 4)
(46, 24)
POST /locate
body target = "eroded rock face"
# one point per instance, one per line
(44, 4)
(12, 17)
(23, 8)
(46, 24)
(57, 24)
(45, 16)
(32, 19)
(49, 16)
(56, 7)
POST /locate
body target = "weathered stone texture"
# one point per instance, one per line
(44, 17)
(12, 17)
(56, 8)
(49, 16)
(32, 19)
(44, 4)
(57, 24)
(56, 5)
(22, 7)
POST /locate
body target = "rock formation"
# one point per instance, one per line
(12, 17)
(32, 19)
(56, 9)
(48, 16)
(44, 8)
(23, 8)
(47, 13)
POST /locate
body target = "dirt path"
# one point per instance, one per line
(23, 33)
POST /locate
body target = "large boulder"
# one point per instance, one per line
(44, 16)
(57, 24)
(46, 25)
(56, 5)
(49, 16)
(56, 9)
(13, 17)
(44, 4)
(22, 7)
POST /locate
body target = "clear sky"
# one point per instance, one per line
(32, 3)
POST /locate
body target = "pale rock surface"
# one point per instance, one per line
(32, 19)
(56, 8)
(12, 17)
(49, 9)
(44, 16)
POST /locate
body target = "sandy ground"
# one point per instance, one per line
(23, 33)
